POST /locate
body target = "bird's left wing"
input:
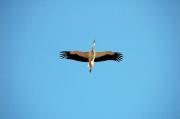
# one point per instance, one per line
(108, 55)
(75, 55)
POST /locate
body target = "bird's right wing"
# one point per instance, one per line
(75, 55)
(108, 55)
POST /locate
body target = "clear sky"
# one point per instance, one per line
(36, 84)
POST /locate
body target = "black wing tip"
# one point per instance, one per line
(68, 55)
(63, 54)
(119, 56)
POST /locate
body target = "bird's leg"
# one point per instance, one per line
(94, 44)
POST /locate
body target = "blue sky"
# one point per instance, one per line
(35, 83)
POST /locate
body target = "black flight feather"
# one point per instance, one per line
(116, 57)
(68, 55)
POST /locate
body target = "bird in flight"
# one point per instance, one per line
(91, 56)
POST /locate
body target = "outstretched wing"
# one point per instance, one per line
(108, 55)
(74, 55)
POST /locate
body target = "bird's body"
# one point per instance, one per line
(91, 56)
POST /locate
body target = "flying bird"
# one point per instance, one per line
(91, 56)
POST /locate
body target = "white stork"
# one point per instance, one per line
(91, 56)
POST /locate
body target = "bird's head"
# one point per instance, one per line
(90, 70)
